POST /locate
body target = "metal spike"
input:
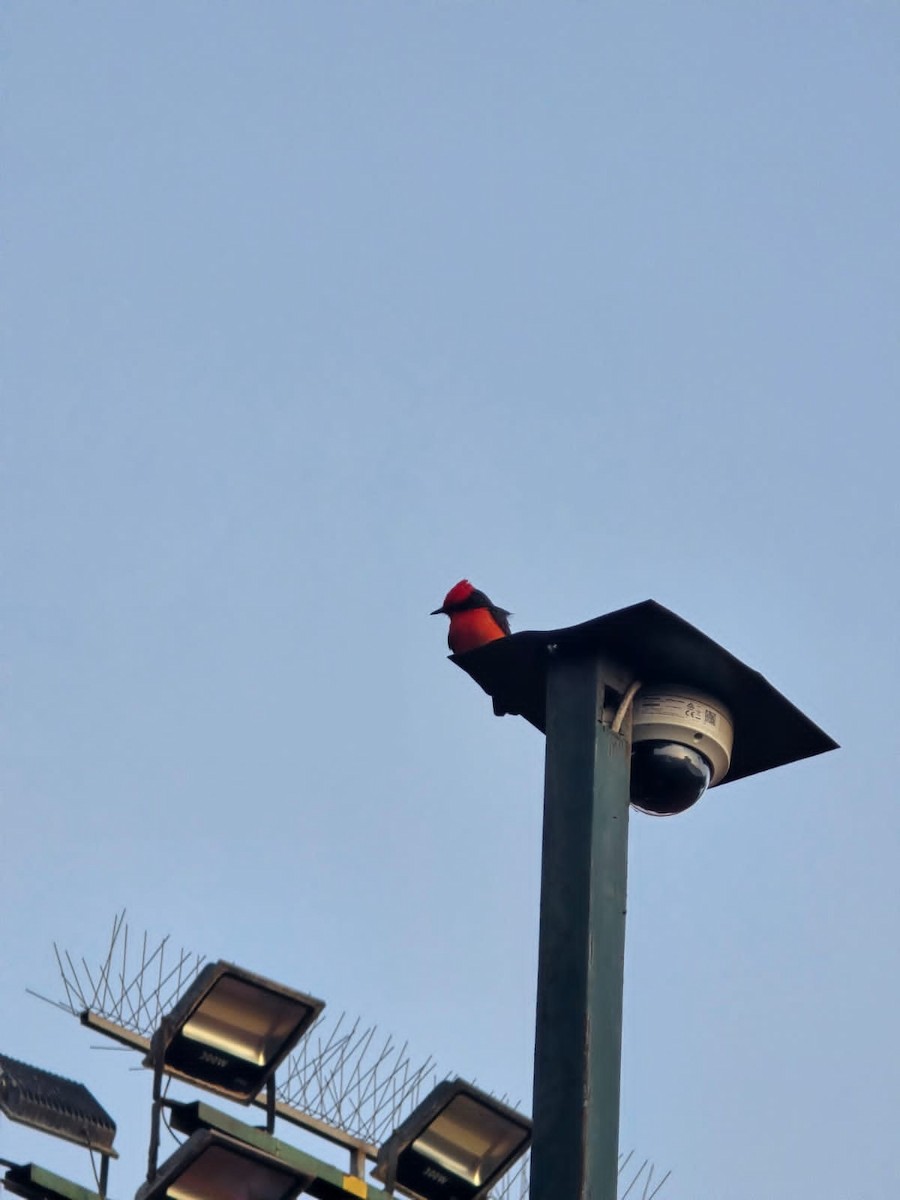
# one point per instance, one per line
(343, 1074)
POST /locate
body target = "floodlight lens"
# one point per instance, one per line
(667, 778)
(243, 1020)
(224, 1174)
(212, 1166)
(469, 1140)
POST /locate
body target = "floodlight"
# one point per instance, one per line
(225, 1159)
(54, 1105)
(210, 1165)
(454, 1146)
(230, 1031)
(35, 1183)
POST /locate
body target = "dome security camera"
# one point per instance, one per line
(681, 745)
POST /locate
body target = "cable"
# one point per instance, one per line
(622, 711)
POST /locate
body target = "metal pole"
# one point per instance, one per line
(270, 1104)
(155, 1113)
(578, 1036)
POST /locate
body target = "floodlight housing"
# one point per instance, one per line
(234, 1159)
(658, 648)
(456, 1144)
(55, 1105)
(35, 1183)
(230, 1031)
(210, 1165)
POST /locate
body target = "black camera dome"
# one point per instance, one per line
(667, 777)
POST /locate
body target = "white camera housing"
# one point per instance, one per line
(677, 714)
(681, 744)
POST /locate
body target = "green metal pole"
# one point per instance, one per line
(578, 1036)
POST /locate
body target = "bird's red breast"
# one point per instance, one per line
(472, 628)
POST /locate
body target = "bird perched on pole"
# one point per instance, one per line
(474, 619)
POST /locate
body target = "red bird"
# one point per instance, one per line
(474, 620)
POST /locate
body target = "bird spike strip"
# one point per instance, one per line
(516, 1185)
(342, 1073)
(132, 988)
(348, 1076)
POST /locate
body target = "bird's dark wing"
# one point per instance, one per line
(477, 599)
(501, 616)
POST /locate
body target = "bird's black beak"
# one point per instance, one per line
(437, 611)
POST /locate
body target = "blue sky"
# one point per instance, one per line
(311, 309)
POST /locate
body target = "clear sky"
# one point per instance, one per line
(313, 308)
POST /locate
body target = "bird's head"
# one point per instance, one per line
(457, 596)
